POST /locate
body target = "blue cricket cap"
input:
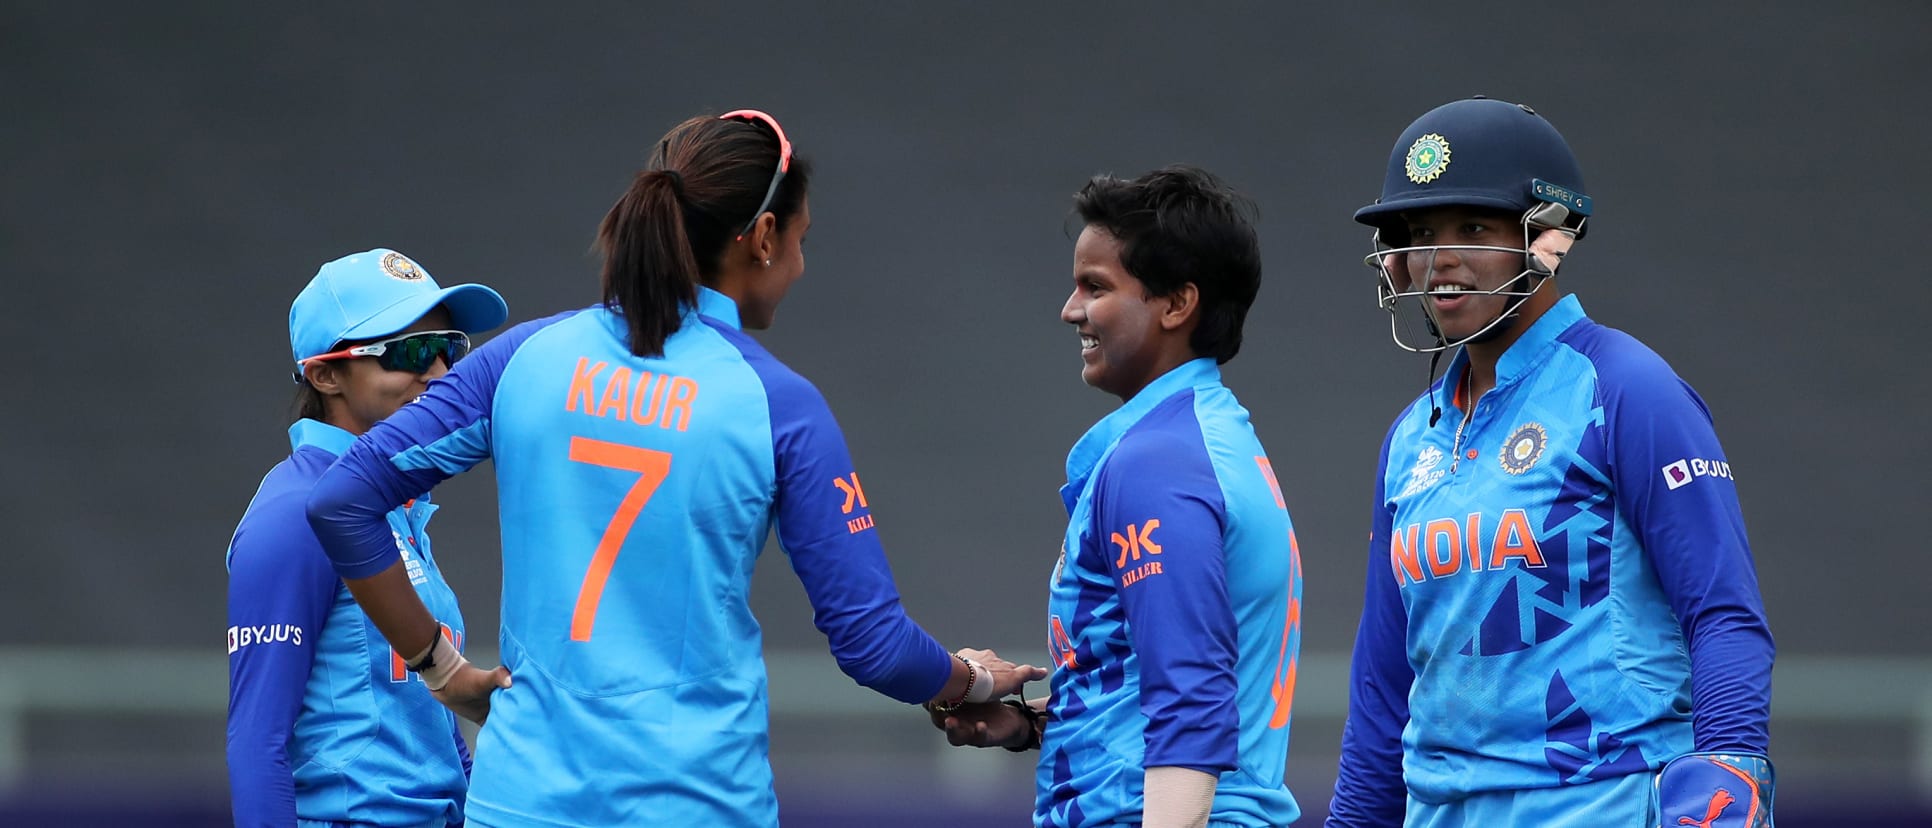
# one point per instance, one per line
(376, 293)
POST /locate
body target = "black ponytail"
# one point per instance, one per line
(669, 232)
(650, 273)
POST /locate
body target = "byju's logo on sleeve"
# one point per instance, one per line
(1679, 474)
(239, 637)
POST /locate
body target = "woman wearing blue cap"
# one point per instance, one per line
(325, 727)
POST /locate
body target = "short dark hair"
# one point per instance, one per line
(1181, 224)
(665, 235)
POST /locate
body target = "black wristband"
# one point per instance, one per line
(429, 656)
(1034, 732)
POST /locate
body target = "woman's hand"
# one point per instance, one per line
(1008, 677)
(468, 690)
(985, 724)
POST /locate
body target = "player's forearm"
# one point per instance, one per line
(1369, 791)
(1368, 784)
(1177, 798)
(260, 802)
(259, 780)
(856, 605)
(1704, 566)
(1731, 659)
(347, 514)
(1714, 595)
(390, 601)
(884, 650)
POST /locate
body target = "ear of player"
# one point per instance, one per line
(1716, 790)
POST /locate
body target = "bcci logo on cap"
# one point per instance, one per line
(399, 266)
(1428, 157)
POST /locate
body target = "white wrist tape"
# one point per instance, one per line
(446, 662)
(1177, 798)
(982, 689)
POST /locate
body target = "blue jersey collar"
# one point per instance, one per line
(710, 303)
(1527, 350)
(1098, 440)
(307, 432)
(718, 306)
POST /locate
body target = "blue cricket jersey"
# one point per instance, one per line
(1562, 595)
(324, 723)
(635, 496)
(1175, 612)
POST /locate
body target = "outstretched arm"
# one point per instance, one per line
(825, 525)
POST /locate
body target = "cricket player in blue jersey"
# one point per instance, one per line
(645, 448)
(1562, 624)
(325, 727)
(1175, 609)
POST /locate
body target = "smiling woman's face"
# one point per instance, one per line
(1118, 323)
(366, 394)
(1445, 273)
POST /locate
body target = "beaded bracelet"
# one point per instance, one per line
(972, 675)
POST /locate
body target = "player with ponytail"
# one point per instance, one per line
(644, 449)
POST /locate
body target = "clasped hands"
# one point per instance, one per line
(992, 723)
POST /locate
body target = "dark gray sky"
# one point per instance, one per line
(174, 173)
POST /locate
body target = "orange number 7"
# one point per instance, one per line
(652, 467)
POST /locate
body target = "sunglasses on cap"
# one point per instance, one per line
(411, 353)
(784, 160)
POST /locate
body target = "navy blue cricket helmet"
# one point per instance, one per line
(1485, 153)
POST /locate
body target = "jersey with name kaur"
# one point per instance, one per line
(1175, 620)
(1554, 592)
(635, 495)
(324, 722)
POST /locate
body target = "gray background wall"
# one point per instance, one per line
(173, 173)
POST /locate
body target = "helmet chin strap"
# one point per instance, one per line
(1541, 257)
(1497, 327)
(1435, 394)
(1506, 320)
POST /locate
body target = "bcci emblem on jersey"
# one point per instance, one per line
(1524, 448)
